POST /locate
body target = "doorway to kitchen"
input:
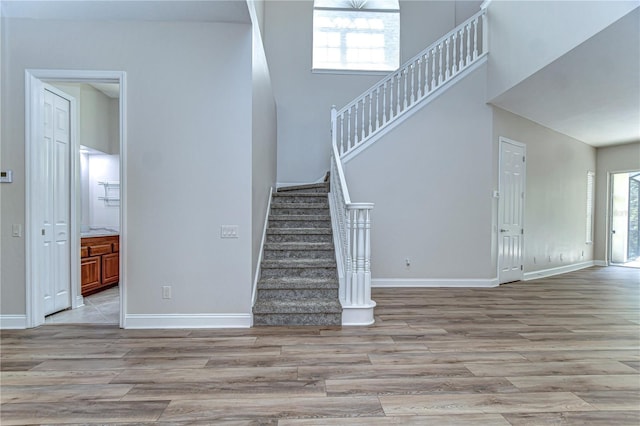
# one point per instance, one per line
(92, 196)
(624, 238)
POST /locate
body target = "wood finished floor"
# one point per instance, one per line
(558, 351)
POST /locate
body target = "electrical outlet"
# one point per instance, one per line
(407, 262)
(229, 231)
(166, 292)
(534, 260)
(16, 230)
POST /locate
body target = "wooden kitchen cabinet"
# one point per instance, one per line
(100, 263)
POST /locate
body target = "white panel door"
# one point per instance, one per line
(511, 211)
(56, 254)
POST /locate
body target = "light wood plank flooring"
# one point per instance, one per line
(558, 351)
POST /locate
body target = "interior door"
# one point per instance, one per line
(55, 159)
(511, 211)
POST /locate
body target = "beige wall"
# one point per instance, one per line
(431, 181)
(621, 158)
(189, 155)
(556, 192)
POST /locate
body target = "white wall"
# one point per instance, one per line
(556, 192)
(264, 140)
(189, 154)
(431, 181)
(525, 36)
(304, 98)
(621, 158)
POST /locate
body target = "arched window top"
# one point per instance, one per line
(356, 35)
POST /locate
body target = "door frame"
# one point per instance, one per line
(34, 93)
(609, 213)
(502, 140)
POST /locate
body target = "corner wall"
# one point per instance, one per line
(525, 36)
(556, 193)
(620, 158)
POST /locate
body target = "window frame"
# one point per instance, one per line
(343, 47)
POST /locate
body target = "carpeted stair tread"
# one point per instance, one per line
(297, 283)
(324, 187)
(314, 306)
(298, 246)
(300, 205)
(298, 263)
(300, 217)
(303, 231)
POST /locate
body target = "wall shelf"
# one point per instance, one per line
(111, 191)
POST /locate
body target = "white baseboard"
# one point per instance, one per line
(188, 321)
(433, 282)
(600, 263)
(543, 273)
(13, 322)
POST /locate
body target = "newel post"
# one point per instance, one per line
(485, 25)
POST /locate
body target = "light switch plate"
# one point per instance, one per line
(6, 176)
(229, 231)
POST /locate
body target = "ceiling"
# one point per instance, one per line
(592, 93)
(116, 10)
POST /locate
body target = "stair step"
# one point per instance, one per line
(317, 209)
(299, 251)
(297, 283)
(298, 293)
(300, 268)
(309, 306)
(298, 263)
(299, 235)
(311, 187)
(293, 197)
(297, 220)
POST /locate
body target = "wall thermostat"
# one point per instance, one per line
(6, 176)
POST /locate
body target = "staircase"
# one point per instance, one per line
(298, 280)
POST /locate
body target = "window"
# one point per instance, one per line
(590, 189)
(356, 35)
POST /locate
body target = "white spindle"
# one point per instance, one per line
(342, 148)
(425, 87)
(377, 107)
(433, 69)
(485, 32)
(440, 77)
(461, 63)
(447, 72)
(413, 77)
(348, 112)
(370, 113)
(384, 107)
(405, 93)
(454, 63)
(398, 99)
(362, 123)
(475, 38)
(468, 28)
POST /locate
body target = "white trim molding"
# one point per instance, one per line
(358, 315)
(13, 322)
(148, 321)
(544, 273)
(434, 282)
(254, 292)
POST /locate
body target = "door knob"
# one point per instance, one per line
(503, 230)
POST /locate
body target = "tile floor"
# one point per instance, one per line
(99, 308)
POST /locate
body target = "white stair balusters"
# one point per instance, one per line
(351, 224)
(405, 88)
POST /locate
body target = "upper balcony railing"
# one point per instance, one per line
(389, 99)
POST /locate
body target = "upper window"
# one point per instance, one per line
(356, 35)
